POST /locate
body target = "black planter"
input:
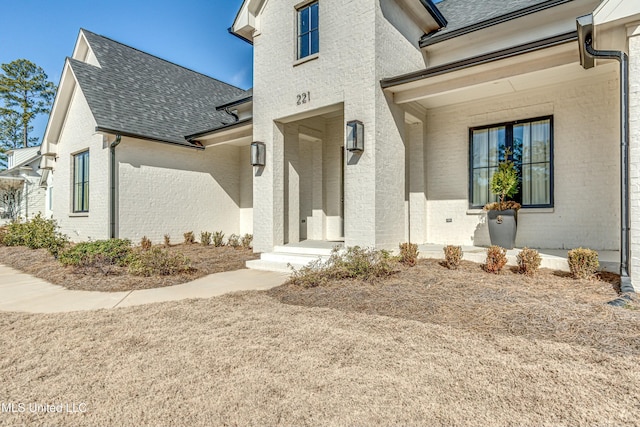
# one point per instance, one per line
(502, 227)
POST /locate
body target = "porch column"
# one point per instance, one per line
(316, 228)
(268, 189)
(417, 191)
(634, 152)
(292, 184)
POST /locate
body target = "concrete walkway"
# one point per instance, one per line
(23, 292)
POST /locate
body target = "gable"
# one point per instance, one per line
(424, 12)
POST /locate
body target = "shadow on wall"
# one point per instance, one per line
(481, 233)
(224, 164)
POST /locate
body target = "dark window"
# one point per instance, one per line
(81, 182)
(529, 144)
(308, 36)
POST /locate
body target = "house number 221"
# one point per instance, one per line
(303, 98)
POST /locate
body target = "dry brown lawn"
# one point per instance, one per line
(427, 346)
(551, 305)
(204, 260)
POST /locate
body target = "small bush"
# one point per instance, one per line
(36, 233)
(452, 256)
(353, 263)
(583, 263)
(246, 241)
(167, 241)
(101, 252)
(234, 241)
(218, 239)
(528, 261)
(408, 254)
(189, 238)
(205, 238)
(145, 243)
(159, 262)
(3, 232)
(496, 259)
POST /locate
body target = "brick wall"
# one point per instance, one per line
(586, 166)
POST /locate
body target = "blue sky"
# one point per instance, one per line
(191, 33)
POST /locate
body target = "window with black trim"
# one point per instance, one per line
(529, 144)
(308, 36)
(81, 182)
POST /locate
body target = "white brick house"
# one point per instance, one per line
(440, 91)
(116, 155)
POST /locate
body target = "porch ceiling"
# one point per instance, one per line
(545, 67)
(240, 135)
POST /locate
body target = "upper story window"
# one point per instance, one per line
(81, 182)
(308, 36)
(529, 144)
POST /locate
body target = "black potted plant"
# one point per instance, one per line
(502, 216)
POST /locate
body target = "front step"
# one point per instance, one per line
(284, 257)
(282, 262)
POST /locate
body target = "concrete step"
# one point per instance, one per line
(283, 259)
(304, 250)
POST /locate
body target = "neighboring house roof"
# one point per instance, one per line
(137, 94)
(21, 158)
(464, 16)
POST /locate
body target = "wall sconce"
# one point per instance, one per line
(258, 153)
(355, 136)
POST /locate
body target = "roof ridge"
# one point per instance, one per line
(159, 58)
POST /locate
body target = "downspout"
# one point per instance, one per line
(231, 113)
(587, 55)
(112, 186)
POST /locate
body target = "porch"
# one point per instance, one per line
(302, 253)
(554, 259)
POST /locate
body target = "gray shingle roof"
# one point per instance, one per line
(245, 97)
(461, 14)
(139, 94)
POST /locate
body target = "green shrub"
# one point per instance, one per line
(353, 263)
(3, 232)
(234, 241)
(36, 233)
(104, 252)
(496, 259)
(583, 263)
(167, 241)
(159, 262)
(145, 243)
(205, 238)
(246, 241)
(528, 261)
(408, 254)
(189, 238)
(218, 239)
(452, 256)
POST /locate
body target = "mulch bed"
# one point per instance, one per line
(550, 305)
(204, 260)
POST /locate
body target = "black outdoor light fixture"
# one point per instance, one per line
(355, 136)
(258, 153)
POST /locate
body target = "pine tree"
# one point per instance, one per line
(26, 93)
